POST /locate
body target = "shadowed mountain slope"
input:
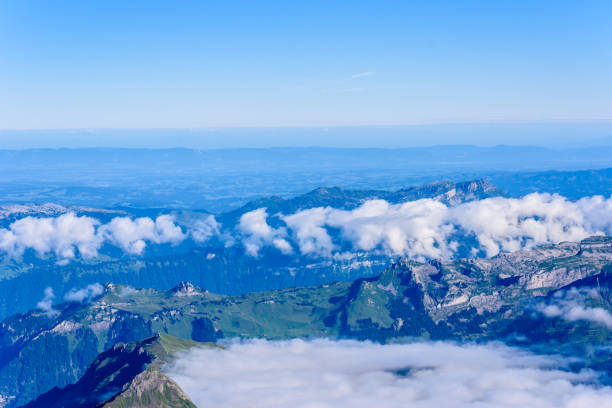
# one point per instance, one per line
(127, 375)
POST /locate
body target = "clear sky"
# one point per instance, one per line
(193, 64)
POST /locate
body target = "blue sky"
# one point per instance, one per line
(198, 64)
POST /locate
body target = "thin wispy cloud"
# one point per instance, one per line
(363, 74)
(344, 90)
(46, 304)
(347, 90)
(572, 306)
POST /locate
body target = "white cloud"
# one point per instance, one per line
(65, 234)
(598, 213)
(132, 235)
(257, 233)
(84, 294)
(324, 373)
(418, 229)
(427, 228)
(46, 304)
(204, 229)
(308, 226)
(570, 305)
(60, 235)
(507, 224)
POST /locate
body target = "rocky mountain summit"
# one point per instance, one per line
(521, 296)
(185, 289)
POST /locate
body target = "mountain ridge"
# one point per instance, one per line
(212, 265)
(466, 299)
(127, 375)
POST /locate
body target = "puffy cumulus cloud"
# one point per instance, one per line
(338, 374)
(571, 305)
(66, 234)
(507, 224)
(310, 233)
(257, 233)
(131, 235)
(84, 294)
(598, 213)
(416, 227)
(427, 228)
(46, 304)
(59, 235)
(205, 228)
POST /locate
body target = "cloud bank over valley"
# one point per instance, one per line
(421, 229)
(325, 373)
(428, 228)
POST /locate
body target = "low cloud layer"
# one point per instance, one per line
(84, 294)
(430, 229)
(74, 295)
(417, 229)
(573, 305)
(339, 374)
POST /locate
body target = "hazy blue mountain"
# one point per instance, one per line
(213, 266)
(570, 184)
(555, 134)
(221, 180)
(446, 192)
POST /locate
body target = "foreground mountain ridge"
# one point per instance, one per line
(467, 299)
(127, 375)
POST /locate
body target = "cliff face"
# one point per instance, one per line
(462, 300)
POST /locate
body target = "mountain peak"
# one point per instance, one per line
(185, 289)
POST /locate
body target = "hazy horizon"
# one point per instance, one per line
(550, 134)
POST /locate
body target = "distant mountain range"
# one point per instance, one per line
(526, 297)
(221, 180)
(446, 192)
(570, 184)
(212, 266)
